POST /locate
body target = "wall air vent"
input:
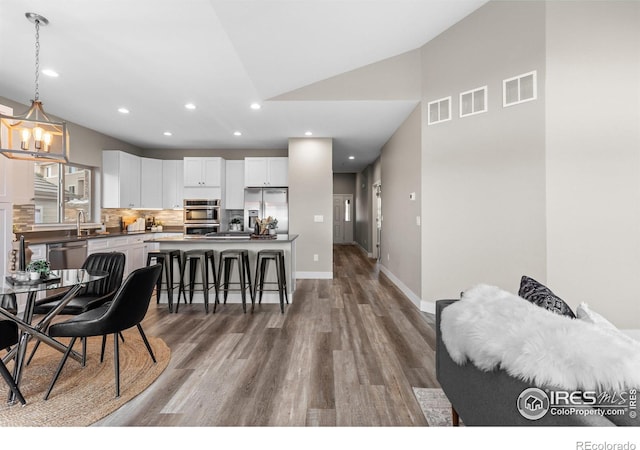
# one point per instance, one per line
(439, 110)
(473, 102)
(520, 89)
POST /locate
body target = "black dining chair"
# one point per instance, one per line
(9, 336)
(92, 295)
(126, 310)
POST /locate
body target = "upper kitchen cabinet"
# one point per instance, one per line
(16, 181)
(120, 180)
(5, 181)
(172, 184)
(150, 183)
(234, 195)
(266, 172)
(203, 172)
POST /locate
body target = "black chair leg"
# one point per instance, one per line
(60, 366)
(11, 382)
(146, 343)
(104, 343)
(116, 361)
(84, 351)
(193, 264)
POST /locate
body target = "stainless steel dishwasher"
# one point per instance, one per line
(67, 255)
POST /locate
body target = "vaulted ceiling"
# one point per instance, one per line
(154, 56)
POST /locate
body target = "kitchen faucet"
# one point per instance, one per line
(78, 222)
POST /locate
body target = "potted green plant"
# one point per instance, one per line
(235, 224)
(40, 266)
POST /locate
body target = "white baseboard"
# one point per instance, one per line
(403, 287)
(364, 250)
(314, 275)
(422, 305)
(427, 306)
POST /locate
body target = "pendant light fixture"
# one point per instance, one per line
(33, 136)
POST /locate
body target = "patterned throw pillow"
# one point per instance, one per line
(542, 296)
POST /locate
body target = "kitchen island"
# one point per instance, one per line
(229, 241)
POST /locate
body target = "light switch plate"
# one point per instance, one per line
(318, 218)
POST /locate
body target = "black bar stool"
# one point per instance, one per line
(262, 265)
(225, 264)
(193, 258)
(167, 258)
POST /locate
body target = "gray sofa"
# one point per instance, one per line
(490, 398)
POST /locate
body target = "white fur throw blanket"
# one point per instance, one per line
(495, 329)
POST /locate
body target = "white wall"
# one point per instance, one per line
(593, 155)
(311, 195)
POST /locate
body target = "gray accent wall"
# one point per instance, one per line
(311, 195)
(344, 183)
(483, 193)
(401, 177)
(363, 214)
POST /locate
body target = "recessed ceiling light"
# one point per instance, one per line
(190, 106)
(168, 133)
(237, 133)
(352, 157)
(51, 73)
(255, 106)
(308, 133)
(123, 110)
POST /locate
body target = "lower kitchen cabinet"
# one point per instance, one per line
(133, 248)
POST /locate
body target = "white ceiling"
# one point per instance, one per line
(154, 56)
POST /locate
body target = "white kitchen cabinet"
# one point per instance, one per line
(22, 184)
(5, 180)
(150, 183)
(266, 172)
(172, 184)
(133, 248)
(120, 180)
(137, 255)
(204, 172)
(16, 181)
(234, 192)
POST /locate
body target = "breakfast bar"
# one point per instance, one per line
(231, 241)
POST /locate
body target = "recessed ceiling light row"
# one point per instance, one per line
(191, 106)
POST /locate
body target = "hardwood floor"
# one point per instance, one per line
(347, 352)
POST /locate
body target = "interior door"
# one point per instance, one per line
(343, 218)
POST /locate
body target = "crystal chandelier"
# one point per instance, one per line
(33, 136)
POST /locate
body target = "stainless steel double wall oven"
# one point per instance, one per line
(201, 216)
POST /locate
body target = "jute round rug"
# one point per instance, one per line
(82, 396)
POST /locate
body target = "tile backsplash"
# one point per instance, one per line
(168, 217)
(24, 216)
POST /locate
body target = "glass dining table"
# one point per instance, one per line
(71, 279)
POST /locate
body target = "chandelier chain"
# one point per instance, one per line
(37, 94)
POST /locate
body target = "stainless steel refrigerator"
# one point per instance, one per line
(260, 203)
